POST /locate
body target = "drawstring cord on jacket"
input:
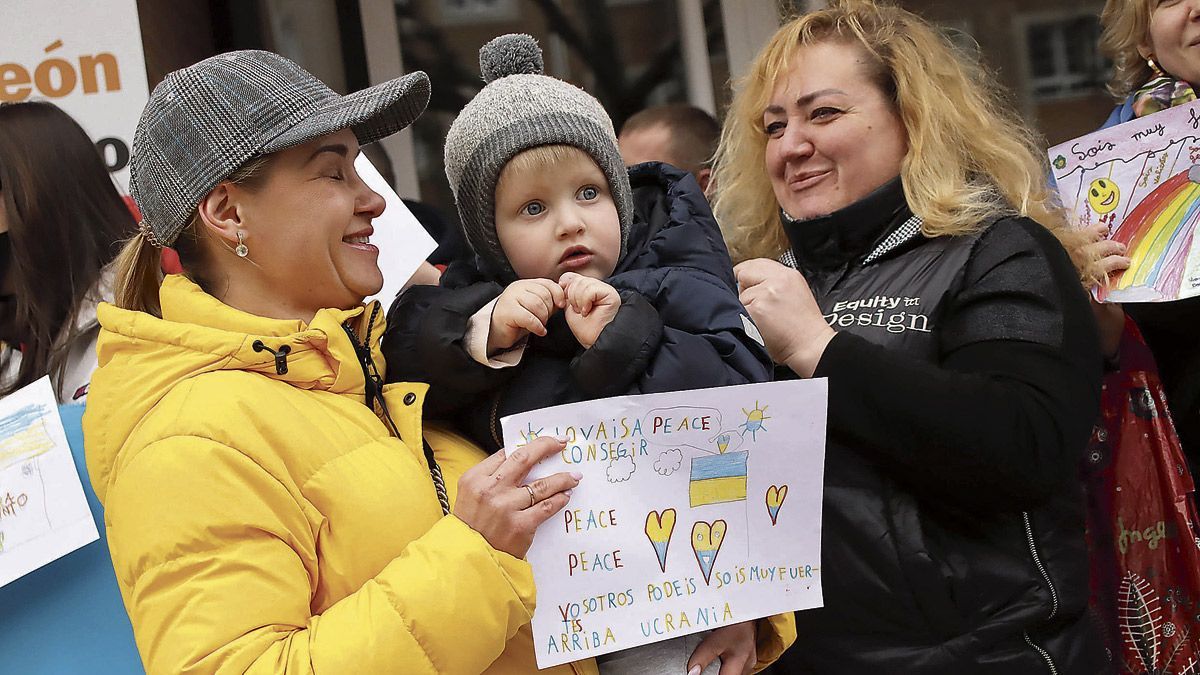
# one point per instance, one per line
(374, 391)
(280, 355)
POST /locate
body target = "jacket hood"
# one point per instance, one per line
(673, 224)
(142, 358)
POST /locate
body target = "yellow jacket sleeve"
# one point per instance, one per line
(217, 563)
(775, 635)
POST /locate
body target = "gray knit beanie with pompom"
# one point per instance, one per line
(520, 108)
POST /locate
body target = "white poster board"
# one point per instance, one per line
(83, 56)
(696, 510)
(402, 241)
(43, 512)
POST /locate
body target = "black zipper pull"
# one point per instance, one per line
(374, 390)
(280, 356)
(372, 383)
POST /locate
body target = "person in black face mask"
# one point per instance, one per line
(61, 219)
(8, 305)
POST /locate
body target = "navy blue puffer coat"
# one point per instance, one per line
(680, 325)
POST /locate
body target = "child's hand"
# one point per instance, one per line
(1110, 317)
(1109, 254)
(524, 307)
(591, 305)
(733, 644)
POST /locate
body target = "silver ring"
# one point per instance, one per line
(532, 498)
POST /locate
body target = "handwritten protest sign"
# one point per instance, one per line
(43, 512)
(696, 510)
(1142, 180)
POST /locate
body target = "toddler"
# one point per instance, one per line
(588, 281)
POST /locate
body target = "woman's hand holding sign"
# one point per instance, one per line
(495, 501)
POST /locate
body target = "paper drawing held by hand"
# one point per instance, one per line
(754, 421)
(659, 527)
(706, 543)
(43, 511)
(695, 483)
(1140, 179)
(669, 462)
(775, 496)
(620, 469)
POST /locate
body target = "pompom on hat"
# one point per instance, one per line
(518, 109)
(204, 121)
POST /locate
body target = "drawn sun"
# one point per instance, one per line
(754, 420)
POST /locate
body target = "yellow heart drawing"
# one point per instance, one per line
(708, 537)
(775, 497)
(706, 543)
(660, 526)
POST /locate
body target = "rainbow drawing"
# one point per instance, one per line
(1158, 236)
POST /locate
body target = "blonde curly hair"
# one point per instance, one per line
(970, 158)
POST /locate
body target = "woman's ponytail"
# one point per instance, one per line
(138, 275)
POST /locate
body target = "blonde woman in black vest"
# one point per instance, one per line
(922, 275)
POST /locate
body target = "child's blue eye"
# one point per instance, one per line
(589, 193)
(533, 208)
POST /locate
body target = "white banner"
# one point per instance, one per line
(83, 56)
(697, 509)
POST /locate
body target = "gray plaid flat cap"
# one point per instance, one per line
(204, 121)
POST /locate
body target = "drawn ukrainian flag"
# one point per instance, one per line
(718, 478)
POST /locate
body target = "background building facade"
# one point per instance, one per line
(628, 53)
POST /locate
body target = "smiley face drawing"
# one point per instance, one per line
(1103, 195)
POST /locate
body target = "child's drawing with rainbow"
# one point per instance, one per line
(1142, 179)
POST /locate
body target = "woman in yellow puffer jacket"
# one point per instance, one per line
(261, 517)
(271, 506)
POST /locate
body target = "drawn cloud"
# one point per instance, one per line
(669, 462)
(620, 469)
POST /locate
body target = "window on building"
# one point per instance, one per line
(1063, 56)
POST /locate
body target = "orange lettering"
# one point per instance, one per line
(88, 65)
(13, 81)
(66, 78)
